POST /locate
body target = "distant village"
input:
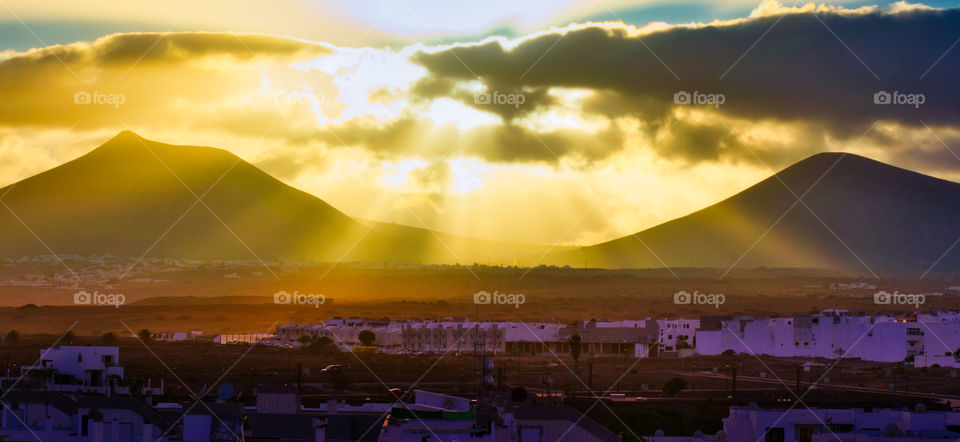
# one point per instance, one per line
(922, 339)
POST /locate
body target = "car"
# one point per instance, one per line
(332, 369)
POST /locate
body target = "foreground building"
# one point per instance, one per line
(87, 369)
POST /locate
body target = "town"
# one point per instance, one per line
(84, 393)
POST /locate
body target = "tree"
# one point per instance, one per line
(674, 386)
(367, 337)
(109, 338)
(320, 345)
(575, 348)
(144, 335)
(68, 337)
(13, 336)
(305, 340)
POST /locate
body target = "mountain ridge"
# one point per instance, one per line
(136, 197)
(856, 214)
(122, 196)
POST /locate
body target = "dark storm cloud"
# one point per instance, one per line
(801, 70)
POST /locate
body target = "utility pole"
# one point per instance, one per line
(590, 374)
(797, 388)
(693, 372)
(733, 384)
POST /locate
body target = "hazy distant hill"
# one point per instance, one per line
(123, 196)
(891, 218)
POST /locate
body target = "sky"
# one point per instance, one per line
(563, 121)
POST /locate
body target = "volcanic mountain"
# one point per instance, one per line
(831, 210)
(133, 197)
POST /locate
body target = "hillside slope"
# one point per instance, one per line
(863, 215)
(133, 195)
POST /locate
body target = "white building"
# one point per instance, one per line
(677, 334)
(829, 335)
(79, 368)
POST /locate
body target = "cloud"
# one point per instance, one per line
(817, 66)
(589, 91)
(170, 77)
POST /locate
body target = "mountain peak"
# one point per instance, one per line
(123, 141)
(126, 136)
(130, 146)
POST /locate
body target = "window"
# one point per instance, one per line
(79, 357)
(841, 428)
(775, 434)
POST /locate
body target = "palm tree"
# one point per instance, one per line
(575, 348)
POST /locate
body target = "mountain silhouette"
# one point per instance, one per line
(856, 214)
(132, 196)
